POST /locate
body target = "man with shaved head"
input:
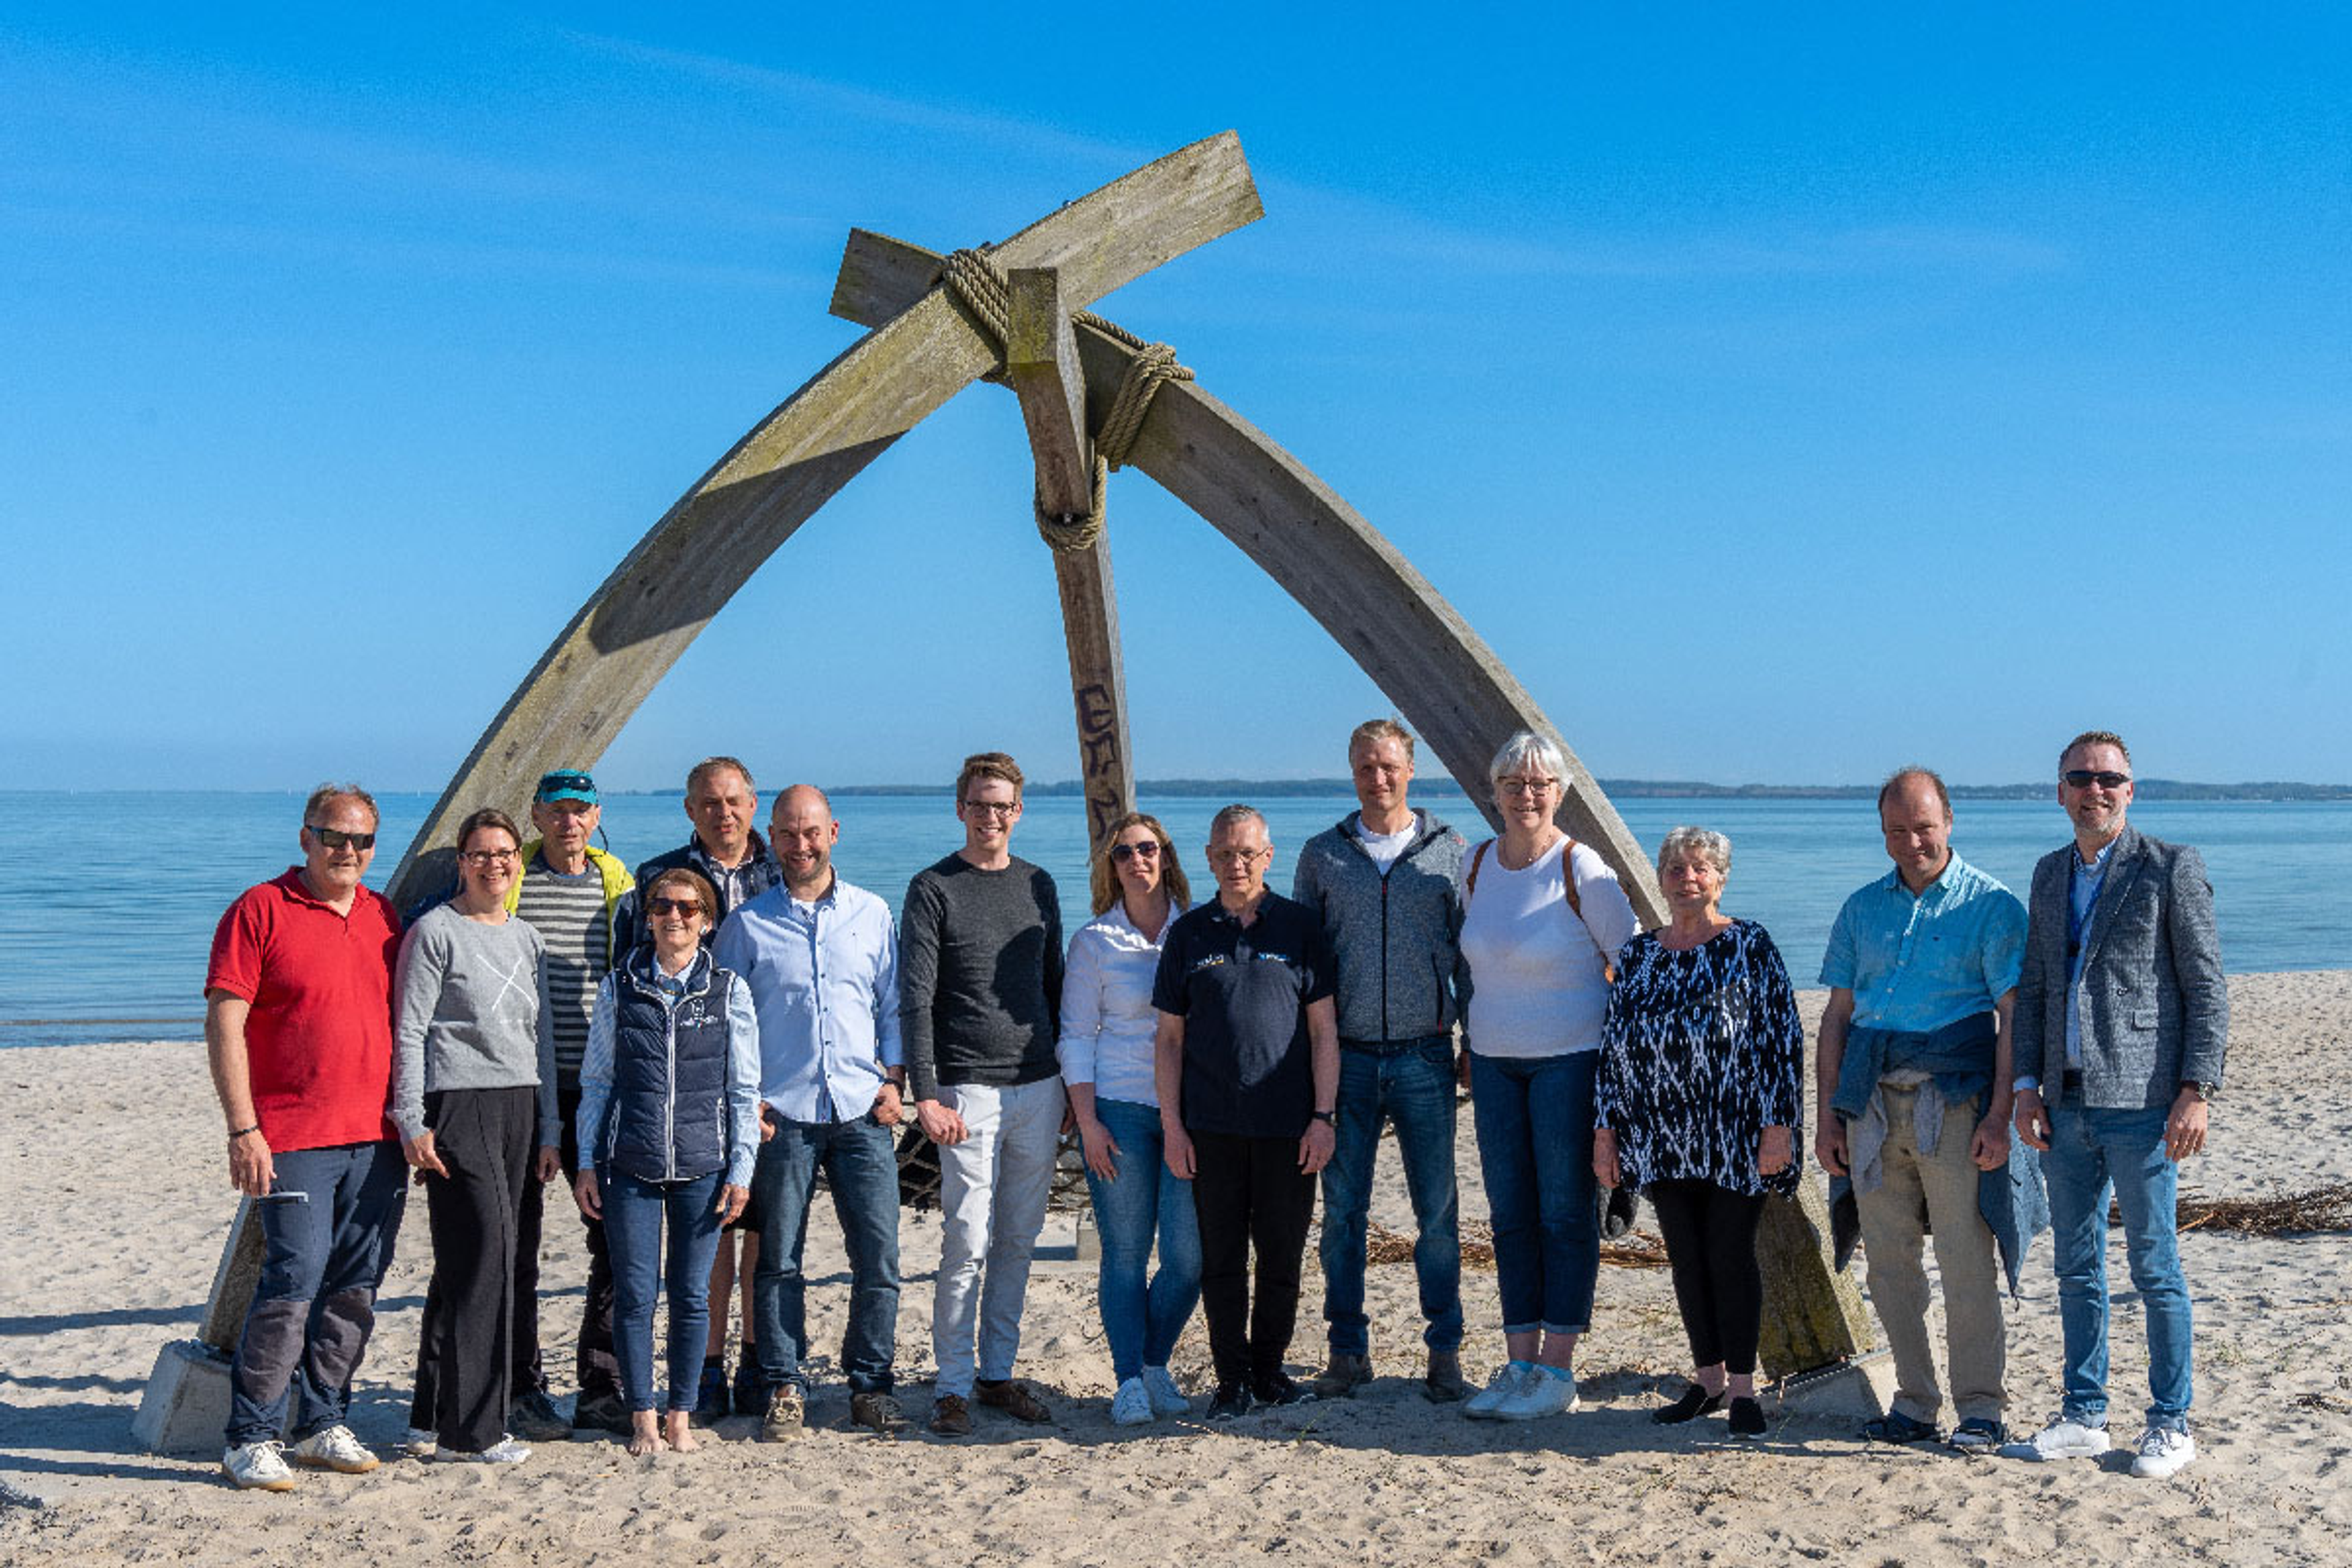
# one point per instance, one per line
(822, 961)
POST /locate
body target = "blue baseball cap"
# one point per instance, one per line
(566, 783)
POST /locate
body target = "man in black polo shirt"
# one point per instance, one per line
(1248, 1067)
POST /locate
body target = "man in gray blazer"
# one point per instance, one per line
(2122, 1020)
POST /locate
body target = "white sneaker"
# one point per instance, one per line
(505, 1451)
(1541, 1393)
(1131, 1406)
(333, 1449)
(2067, 1438)
(1482, 1405)
(1167, 1399)
(2163, 1451)
(419, 1442)
(257, 1466)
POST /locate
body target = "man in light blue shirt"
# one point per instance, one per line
(1922, 969)
(820, 959)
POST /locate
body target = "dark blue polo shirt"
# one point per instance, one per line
(1243, 994)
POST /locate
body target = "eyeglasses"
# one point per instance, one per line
(1236, 856)
(993, 808)
(336, 838)
(2083, 778)
(489, 856)
(1516, 786)
(1148, 848)
(674, 906)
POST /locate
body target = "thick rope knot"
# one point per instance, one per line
(976, 283)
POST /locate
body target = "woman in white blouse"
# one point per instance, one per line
(1542, 919)
(1105, 1050)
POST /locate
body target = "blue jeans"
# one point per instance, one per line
(1143, 1322)
(314, 1305)
(633, 1212)
(1414, 1086)
(860, 1159)
(1534, 1117)
(2089, 1152)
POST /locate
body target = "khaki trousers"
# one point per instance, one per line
(1937, 1190)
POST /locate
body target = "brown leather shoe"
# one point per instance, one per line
(949, 1418)
(1346, 1373)
(1012, 1398)
(787, 1414)
(1444, 1383)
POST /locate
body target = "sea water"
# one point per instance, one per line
(108, 901)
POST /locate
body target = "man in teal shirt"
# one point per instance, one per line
(1922, 968)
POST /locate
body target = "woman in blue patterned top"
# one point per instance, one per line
(1697, 1102)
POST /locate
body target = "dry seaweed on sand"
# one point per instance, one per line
(2287, 1214)
(1635, 1249)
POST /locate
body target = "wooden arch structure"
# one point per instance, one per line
(922, 348)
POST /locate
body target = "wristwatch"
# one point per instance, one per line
(1327, 1118)
(2202, 1089)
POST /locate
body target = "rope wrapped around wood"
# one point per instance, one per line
(979, 285)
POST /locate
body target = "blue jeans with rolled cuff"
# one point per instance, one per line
(1143, 1316)
(2092, 1151)
(1534, 1117)
(635, 1214)
(1411, 1085)
(860, 1159)
(324, 1258)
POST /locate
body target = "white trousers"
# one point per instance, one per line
(994, 1187)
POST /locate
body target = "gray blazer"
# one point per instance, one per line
(2155, 1007)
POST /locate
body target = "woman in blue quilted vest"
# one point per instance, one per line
(670, 1125)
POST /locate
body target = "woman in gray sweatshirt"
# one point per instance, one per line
(473, 1093)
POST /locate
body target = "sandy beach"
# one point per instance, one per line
(118, 1205)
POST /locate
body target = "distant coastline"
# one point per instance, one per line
(1642, 789)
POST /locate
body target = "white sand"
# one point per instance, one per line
(117, 1204)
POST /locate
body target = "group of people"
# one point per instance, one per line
(689, 1048)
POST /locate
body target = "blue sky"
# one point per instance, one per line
(1784, 394)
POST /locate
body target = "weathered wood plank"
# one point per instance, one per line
(1040, 364)
(609, 657)
(1098, 685)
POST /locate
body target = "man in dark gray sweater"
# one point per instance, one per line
(1384, 881)
(980, 987)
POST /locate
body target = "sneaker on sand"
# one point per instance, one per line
(710, 1402)
(1346, 1373)
(596, 1413)
(2067, 1438)
(1748, 1417)
(1012, 1396)
(877, 1411)
(787, 1414)
(333, 1449)
(1167, 1399)
(1541, 1393)
(418, 1442)
(1278, 1390)
(1131, 1406)
(257, 1466)
(951, 1417)
(2163, 1452)
(505, 1451)
(1230, 1402)
(1482, 1405)
(535, 1418)
(750, 1389)
(1978, 1434)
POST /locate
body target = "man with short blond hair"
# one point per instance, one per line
(980, 985)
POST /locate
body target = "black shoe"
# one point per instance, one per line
(1747, 1417)
(535, 1419)
(600, 1413)
(710, 1394)
(1694, 1403)
(750, 1393)
(1232, 1401)
(1278, 1390)
(1896, 1427)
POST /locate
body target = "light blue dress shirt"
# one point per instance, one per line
(1915, 964)
(824, 982)
(2083, 885)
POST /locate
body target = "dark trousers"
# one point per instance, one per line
(466, 1366)
(1710, 1235)
(324, 1256)
(1246, 1191)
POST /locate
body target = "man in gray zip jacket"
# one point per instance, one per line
(1385, 881)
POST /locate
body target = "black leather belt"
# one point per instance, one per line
(1393, 1048)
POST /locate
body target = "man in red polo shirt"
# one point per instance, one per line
(298, 1026)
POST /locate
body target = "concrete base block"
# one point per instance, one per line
(185, 1409)
(1086, 1245)
(1861, 1388)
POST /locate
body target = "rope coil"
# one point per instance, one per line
(977, 284)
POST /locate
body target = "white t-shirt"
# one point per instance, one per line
(1537, 984)
(1384, 847)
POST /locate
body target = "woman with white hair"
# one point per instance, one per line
(1698, 1104)
(1543, 917)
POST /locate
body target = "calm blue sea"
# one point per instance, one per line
(108, 901)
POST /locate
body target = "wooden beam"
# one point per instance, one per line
(1097, 686)
(1041, 362)
(610, 655)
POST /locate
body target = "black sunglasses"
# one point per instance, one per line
(1148, 848)
(335, 837)
(2083, 778)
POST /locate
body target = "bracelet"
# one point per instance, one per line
(243, 1130)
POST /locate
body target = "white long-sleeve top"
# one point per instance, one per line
(1108, 1019)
